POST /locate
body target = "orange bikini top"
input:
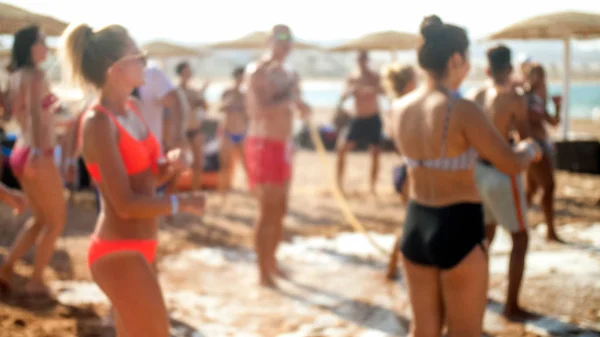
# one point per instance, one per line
(137, 155)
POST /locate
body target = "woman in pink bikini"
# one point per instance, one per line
(123, 158)
(32, 159)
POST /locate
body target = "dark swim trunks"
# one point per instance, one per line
(367, 129)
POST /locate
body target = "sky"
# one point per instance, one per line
(197, 21)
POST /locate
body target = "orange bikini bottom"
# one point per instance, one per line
(99, 248)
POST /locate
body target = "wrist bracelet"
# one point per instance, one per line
(35, 151)
(531, 152)
(174, 204)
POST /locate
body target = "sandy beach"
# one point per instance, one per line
(209, 279)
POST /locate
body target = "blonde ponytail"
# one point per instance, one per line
(395, 77)
(73, 43)
(87, 54)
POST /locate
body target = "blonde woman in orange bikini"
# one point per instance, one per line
(124, 159)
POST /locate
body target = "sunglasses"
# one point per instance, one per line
(284, 37)
(41, 40)
(141, 57)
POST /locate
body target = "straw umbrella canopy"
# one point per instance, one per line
(163, 49)
(563, 26)
(385, 40)
(14, 18)
(256, 40)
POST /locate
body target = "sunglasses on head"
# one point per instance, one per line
(283, 37)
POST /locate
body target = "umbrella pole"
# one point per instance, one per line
(565, 118)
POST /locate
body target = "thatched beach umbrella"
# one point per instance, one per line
(256, 40)
(14, 18)
(557, 26)
(386, 40)
(163, 49)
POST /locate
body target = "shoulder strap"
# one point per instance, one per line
(137, 112)
(446, 124)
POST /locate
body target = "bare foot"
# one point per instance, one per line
(267, 282)
(392, 273)
(5, 277)
(554, 238)
(517, 314)
(373, 191)
(36, 288)
(280, 272)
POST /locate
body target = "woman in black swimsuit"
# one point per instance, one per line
(441, 137)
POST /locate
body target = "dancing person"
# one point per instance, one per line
(541, 174)
(365, 87)
(441, 135)
(233, 127)
(32, 159)
(503, 195)
(123, 157)
(397, 80)
(193, 109)
(160, 103)
(272, 95)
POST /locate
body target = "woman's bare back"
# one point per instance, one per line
(419, 122)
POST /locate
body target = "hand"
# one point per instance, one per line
(204, 86)
(176, 160)
(17, 201)
(69, 169)
(193, 203)
(557, 99)
(305, 110)
(527, 144)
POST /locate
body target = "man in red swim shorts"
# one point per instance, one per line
(272, 96)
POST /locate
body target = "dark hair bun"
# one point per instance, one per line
(431, 27)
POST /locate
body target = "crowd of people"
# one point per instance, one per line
(460, 171)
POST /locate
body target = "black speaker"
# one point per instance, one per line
(578, 156)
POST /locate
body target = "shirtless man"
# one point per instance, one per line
(234, 128)
(272, 96)
(503, 196)
(364, 86)
(193, 107)
(541, 174)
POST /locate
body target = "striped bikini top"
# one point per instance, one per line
(464, 161)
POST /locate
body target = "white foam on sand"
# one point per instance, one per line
(580, 261)
(337, 288)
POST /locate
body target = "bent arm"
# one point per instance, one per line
(483, 136)
(521, 118)
(346, 93)
(299, 103)
(103, 150)
(33, 98)
(171, 102)
(265, 97)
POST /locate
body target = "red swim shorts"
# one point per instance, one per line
(269, 161)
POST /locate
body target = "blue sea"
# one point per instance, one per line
(585, 96)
